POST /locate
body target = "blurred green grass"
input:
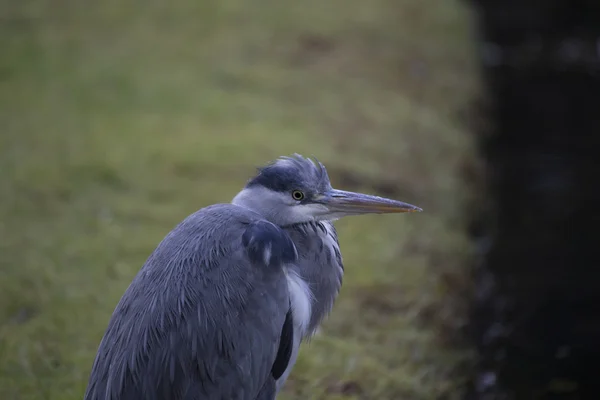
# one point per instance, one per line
(119, 118)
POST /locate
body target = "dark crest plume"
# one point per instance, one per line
(290, 173)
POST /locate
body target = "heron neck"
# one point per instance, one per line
(319, 264)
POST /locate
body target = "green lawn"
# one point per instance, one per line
(120, 117)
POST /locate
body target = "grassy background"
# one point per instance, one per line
(119, 118)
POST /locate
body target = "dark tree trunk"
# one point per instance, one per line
(536, 319)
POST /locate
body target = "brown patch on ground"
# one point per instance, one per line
(309, 48)
(346, 388)
(380, 299)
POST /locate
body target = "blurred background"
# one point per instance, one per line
(119, 118)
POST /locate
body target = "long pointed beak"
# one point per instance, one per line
(350, 203)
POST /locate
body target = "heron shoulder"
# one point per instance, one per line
(225, 213)
(211, 224)
(264, 242)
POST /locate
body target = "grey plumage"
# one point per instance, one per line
(219, 309)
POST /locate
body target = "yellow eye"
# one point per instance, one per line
(297, 195)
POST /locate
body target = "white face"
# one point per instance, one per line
(279, 208)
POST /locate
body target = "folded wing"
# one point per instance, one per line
(207, 317)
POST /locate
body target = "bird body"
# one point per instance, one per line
(220, 308)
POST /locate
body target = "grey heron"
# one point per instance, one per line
(220, 307)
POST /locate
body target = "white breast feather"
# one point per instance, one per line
(301, 299)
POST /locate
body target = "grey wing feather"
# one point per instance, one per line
(200, 320)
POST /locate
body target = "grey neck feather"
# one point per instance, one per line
(264, 202)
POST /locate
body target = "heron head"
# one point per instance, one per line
(295, 189)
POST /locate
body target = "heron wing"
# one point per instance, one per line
(207, 316)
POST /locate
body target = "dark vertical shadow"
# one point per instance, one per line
(536, 314)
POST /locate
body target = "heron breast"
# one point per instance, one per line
(301, 300)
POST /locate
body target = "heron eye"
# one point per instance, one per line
(297, 195)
